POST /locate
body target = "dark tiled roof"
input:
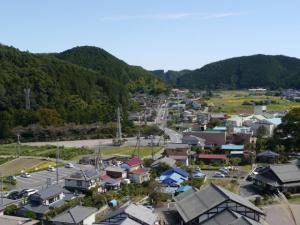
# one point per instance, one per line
(195, 204)
(74, 215)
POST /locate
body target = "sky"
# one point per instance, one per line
(155, 34)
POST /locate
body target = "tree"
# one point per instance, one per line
(49, 117)
(5, 125)
(261, 132)
(288, 132)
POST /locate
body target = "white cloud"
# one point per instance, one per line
(220, 15)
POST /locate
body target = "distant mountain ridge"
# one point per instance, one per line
(244, 72)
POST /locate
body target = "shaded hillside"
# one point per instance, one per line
(60, 91)
(246, 72)
(135, 78)
(171, 76)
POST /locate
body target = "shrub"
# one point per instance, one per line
(10, 210)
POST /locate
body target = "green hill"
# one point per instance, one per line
(245, 72)
(60, 91)
(97, 59)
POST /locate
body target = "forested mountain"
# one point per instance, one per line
(62, 92)
(135, 77)
(245, 72)
(171, 76)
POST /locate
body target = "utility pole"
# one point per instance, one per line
(152, 143)
(18, 146)
(119, 129)
(27, 98)
(1, 188)
(57, 156)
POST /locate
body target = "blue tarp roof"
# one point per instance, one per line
(184, 188)
(232, 147)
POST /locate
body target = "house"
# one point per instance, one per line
(133, 164)
(233, 150)
(267, 157)
(130, 214)
(211, 137)
(82, 180)
(139, 176)
(15, 220)
(168, 161)
(212, 158)
(116, 172)
(109, 183)
(218, 116)
(173, 177)
(284, 178)
(40, 202)
(215, 205)
(76, 215)
(179, 152)
(193, 140)
(257, 91)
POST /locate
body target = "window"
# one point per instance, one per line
(79, 183)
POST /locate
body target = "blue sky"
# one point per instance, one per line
(156, 34)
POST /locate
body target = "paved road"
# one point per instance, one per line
(92, 144)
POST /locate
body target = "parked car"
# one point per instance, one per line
(51, 169)
(11, 178)
(223, 171)
(219, 174)
(30, 192)
(14, 195)
(26, 175)
(69, 165)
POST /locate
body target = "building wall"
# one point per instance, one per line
(90, 220)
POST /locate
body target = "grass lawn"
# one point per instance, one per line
(231, 185)
(231, 102)
(15, 166)
(144, 151)
(42, 166)
(294, 198)
(43, 151)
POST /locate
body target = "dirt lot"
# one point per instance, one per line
(15, 166)
(279, 214)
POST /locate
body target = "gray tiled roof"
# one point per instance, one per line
(197, 203)
(49, 192)
(177, 145)
(228, 217)
(166, 160)
(129, 221)
(141, 213)
(287, 172)
(74, 215)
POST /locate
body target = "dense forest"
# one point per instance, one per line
(63, 92)
(245, 72)
(97, 59)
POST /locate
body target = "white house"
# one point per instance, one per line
(76, 215)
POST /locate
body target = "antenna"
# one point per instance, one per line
(27, 98)
(57, 156)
